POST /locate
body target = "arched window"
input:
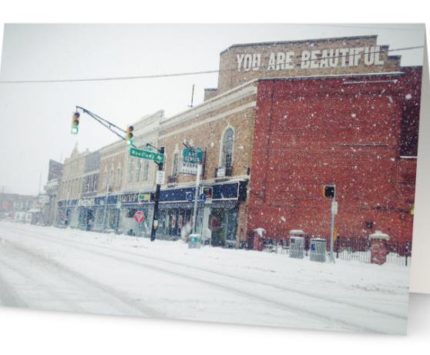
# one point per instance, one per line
(227, 149)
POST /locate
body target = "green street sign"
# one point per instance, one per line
(192, 155)
(146, 154)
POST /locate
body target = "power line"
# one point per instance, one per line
(156, 76)
(376, 27)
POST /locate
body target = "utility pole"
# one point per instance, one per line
(333, 211)
(329, 191)
(106, 199)
(196, 196)
(192, 97)
(157, 198)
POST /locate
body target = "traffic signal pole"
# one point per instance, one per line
(127, 136)
(329, 191)
(155, 216)
(333, 214)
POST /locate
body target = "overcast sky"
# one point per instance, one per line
(35, 118)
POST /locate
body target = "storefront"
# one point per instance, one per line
(67, 213)
(130, 204)
(217, 212)
(107, 212)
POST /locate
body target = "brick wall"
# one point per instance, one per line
(344, 131)
(204, 127)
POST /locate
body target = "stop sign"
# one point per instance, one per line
(139, 217)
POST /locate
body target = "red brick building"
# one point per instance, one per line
(357, 131)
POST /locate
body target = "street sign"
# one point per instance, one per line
(192, 155)
(334, 207)
(139, 217)
(159, 179)
(146, 154)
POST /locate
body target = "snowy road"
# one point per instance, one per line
(70, 270)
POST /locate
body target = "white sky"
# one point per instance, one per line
(35, 118)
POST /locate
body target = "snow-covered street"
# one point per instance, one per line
(71, 270)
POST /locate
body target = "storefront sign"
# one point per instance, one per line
(310, 59)
(187, 168)
(144, 197)
(129, 198)
(86, 202)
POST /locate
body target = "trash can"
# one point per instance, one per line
(194, 241)
(378, 247)
(318, 249)
(297, 244)
(256, 238)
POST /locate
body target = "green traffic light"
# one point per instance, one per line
(75, 130)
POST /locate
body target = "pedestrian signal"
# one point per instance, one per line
(329, 191)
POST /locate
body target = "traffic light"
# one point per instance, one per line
(329, 191)
(75, 123)
(129, 135)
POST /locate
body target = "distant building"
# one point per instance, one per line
(70, 189)
(48, 201)
(15, 206)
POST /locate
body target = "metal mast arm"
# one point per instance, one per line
(109, 125)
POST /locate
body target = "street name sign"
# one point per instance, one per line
(146, 154)
(192, 155)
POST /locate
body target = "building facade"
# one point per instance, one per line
(222, 127)
(286, 119)
(70, 189)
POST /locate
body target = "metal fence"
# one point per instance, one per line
(357, 249)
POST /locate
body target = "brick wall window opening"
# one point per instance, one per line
(227, 149)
